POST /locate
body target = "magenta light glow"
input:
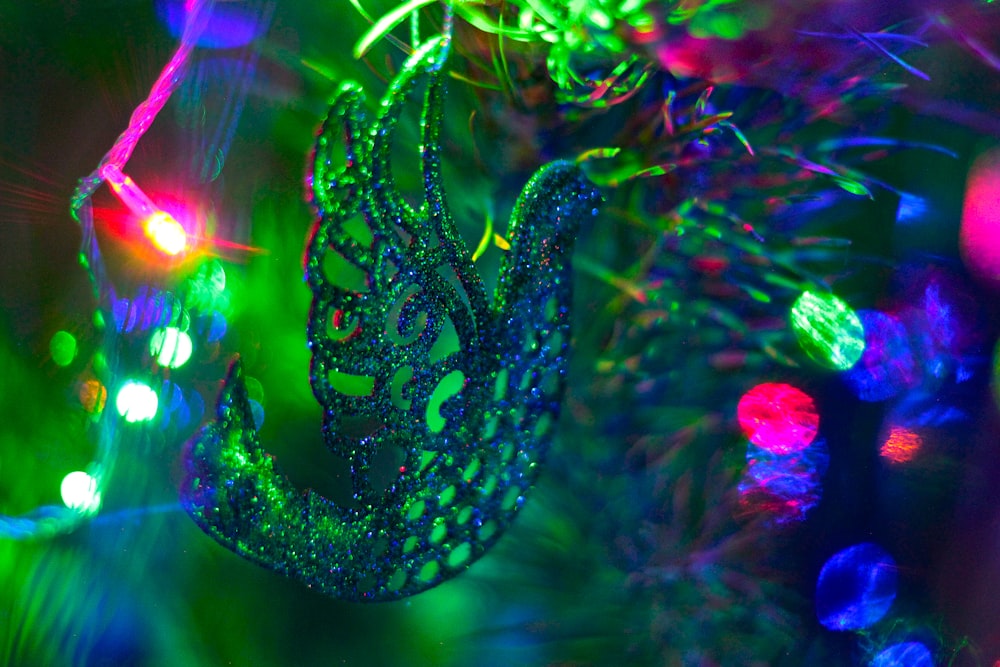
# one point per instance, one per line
(778, 417)
(979, 237)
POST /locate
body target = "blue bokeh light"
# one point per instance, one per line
(230, 25)
(887, 366)
(783, 487)
(908, 654)
(856, 587)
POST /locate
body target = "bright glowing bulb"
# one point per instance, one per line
(160, 227)
(136, 402)
(79, 492)
(171, 347)
(166, 233)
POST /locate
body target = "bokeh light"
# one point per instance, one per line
(255, 396)
(828, 330)
(215, 327)
(778, 417)
(979, 237)
(887, 365)
(173, 412)
(231, 24)
(136, 402)
(80, 492)
(257, 410)
(901, 445)
(912, 208)
(942, 327)
(170, 346)
(149, 308)
(856, 587)
(62, 348)
(782, 487)
(206, 291)
(907, 654)
(93, 396)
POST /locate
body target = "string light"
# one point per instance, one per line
(165, 233)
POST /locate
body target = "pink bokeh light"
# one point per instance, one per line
(979, 237)
(778, 417)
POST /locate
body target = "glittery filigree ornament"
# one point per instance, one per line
(394, 293)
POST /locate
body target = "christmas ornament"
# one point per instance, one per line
(390, 282)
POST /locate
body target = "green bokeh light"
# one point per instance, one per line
(207, 289)
(828, 330)
(62, 348)
(136, 402)
(170, 346)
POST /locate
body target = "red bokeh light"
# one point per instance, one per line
(778, 417)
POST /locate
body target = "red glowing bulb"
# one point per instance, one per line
(778, 418)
